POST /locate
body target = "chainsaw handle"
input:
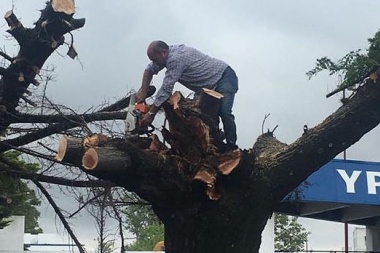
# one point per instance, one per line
(151, 130)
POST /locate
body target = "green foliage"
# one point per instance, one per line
(354, 66)
(16, 198)
(145, 225)
(289, 234)
(148, 238)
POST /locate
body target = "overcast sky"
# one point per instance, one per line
(271, 45)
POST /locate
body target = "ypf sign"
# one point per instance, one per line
(345, 181)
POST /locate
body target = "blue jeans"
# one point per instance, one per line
(228, 86)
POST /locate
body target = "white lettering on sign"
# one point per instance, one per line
(350, 181)
(371, 181)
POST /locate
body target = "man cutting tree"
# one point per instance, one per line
(194, 70)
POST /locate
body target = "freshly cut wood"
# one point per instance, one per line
(94, 152)
(229, 161)
(212, 93)
(212, 193)
(202, 133)
(106, 158)
(210, 180)
(205, 177)
(65, 6)
(209, 102)
(69, 147)
(94, 140)
(90, 159)
(12, 20)
(174, 99)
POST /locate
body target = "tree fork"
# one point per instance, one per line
(35, 47)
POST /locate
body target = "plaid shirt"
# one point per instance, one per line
(191, 68)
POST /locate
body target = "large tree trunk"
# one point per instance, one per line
(211, 201)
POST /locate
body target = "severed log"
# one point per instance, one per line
(12, 21)
(209, 102)
(90, 159)
(193, 125)
(188, 134)
(69, 148)
(193, 134)
(107, 158)
(94, 152)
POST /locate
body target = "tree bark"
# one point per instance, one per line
(213, 202)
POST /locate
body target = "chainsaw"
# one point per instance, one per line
(132, 121)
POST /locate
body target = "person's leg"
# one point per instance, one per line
(228, 118)
(228, 86)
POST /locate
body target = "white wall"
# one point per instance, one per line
(12, 236)
(359, 239)
(267, 237)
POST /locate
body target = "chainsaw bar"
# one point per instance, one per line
(131, 118)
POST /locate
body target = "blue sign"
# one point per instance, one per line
(344, 181)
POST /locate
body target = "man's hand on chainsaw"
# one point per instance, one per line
(140, 96)
(146, 120)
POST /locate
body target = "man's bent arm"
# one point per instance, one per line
(146, 80)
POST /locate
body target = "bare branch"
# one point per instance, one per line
(120, 222)
(60, 215)
(86, 203)
(7, 57)
(59, 127)
(262, 125)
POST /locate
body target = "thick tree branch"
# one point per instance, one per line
(322, 143)
(59, 118)
(15, 170)
(57, 180)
